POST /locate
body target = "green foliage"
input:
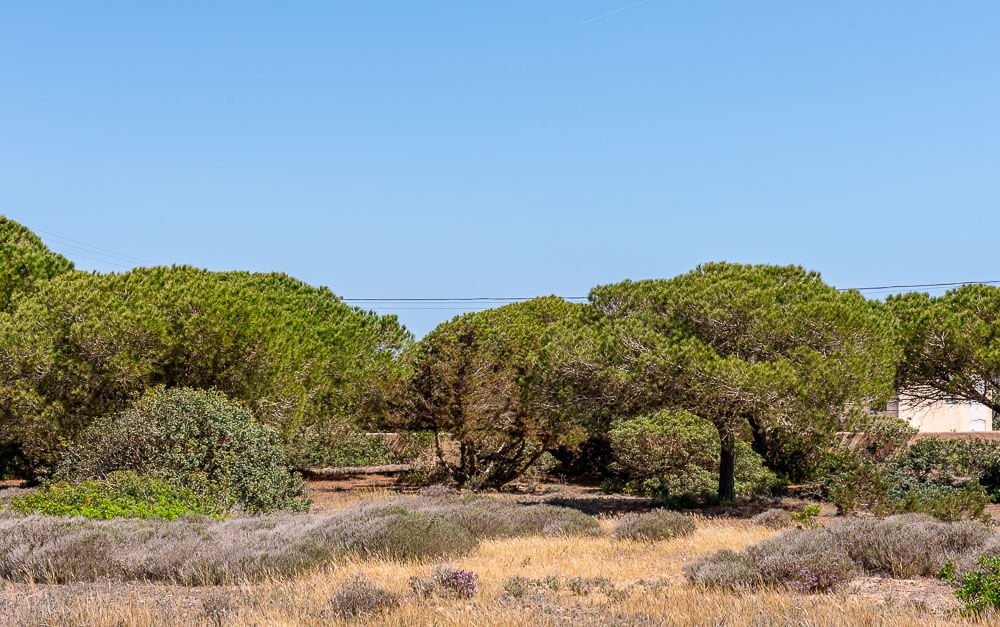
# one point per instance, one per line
(675, 455)
(82, 345)
(121, 495)
(856, 482)
(953, 462)
(807, 517)
(182, 434)
(24, 262)
(980, 591)
(884, 436)
(472, 378)
(347, 448)
(951, 344)
(772, 347)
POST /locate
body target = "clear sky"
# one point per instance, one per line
(510, 148)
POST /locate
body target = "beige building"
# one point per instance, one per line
(941, 416)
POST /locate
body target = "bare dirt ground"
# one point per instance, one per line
(931, 595)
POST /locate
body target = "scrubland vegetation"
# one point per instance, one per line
(531, 575)
(162, 417)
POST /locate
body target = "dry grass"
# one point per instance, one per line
(644, 587)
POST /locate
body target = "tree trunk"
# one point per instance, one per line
(760, 442)
(727, 465)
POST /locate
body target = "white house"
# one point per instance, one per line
(941, 416)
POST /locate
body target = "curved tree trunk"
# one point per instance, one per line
(727, 464)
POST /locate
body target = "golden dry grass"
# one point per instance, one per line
(647, 578)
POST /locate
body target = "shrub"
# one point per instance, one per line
(723, 569)
(194, 438)
(339, 448)
(396, 533)
(216, 607)
(516, 586)
(945, 502)
(807, 517)
(953, 462)
(854, 483)
(461, 583)
(810, 572)
(485, 517)
(652, 526)
(773, 519)
(980, 591)
(804, 560)
(906, 545)
(361, 597)
(818, 559)
(675, 455)
(204, 551)
(884, 436)
(123, 494)
(447, 582)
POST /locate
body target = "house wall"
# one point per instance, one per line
(941, 416)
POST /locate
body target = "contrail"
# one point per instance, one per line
(604, 15)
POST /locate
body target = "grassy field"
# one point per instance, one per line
(580, 580)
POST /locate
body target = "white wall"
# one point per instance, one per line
(942, 416)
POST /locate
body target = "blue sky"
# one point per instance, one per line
(518, 148)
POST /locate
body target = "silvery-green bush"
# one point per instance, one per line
(195, 438)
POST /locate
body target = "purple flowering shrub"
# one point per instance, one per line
(822, 559)
(448, 582)
(461, 583)
(813, 572)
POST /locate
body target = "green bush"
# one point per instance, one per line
(193, 438)
(910, 481)
(980, 590)
(953, 462)
(675, 455)
(652, 526)
(123, 494)
(807, 517)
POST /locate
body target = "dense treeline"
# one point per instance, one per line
(767, 362)
(79, 346)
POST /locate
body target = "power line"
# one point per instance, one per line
(893, 287)
(106, 254)
(505, 299)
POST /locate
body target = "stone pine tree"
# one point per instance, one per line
(82, 345)
(24, 261)
(472, 378)
(743, 346)
(951, 345)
